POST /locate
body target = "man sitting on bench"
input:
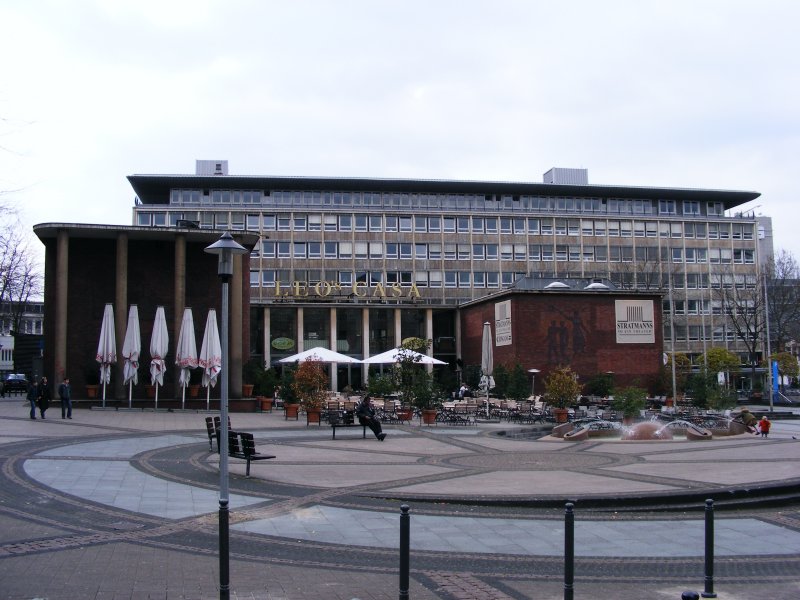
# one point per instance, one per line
(366, 416)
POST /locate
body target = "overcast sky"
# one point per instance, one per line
(701, 94)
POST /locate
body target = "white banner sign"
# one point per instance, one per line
(635, 322)
(502, 323)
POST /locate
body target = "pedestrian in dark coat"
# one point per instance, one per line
(65, 395)
(44, 396)
(33, 397)
(366, 416)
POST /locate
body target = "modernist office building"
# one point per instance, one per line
(361, 264)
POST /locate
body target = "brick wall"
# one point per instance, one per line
(576, 329)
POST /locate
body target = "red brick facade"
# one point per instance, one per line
(578, 329)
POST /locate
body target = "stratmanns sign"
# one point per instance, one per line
(634, 322)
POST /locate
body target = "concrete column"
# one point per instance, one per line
(121, 312)
(300, 329)
(332, 346)
(267, 335)
(179, 298)
(458, 342)
(365, 344)
(398, 333)
(236, 325)
(429, 333)
(62, 285)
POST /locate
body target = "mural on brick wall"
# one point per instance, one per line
(566, 336)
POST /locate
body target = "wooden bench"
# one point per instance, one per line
(343, 418)
(212, 428)
(242, 445)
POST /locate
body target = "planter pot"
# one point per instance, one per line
(404, 415)
(194, 390)
(291, 411)
(627, 420)
(669, 402)
(313, 415)
(92, 391)
(266, 404)
(247, 390)
(429, 416)
(561, 415)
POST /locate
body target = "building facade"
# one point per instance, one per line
(89, 266)
(360, 264)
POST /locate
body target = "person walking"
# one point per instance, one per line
(65, 394)
(33, 397)
(44, 396)
(763, 426)
(366, 416)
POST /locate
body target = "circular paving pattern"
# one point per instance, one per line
(538, 461)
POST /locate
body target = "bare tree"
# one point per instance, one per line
(743, 303)
(20, 277)
(783, 298)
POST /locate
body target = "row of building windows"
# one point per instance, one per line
(434, 279)
(492, 279)
(559, 226)
(392, 200)
(699, 306)
(699, 333)
(507, 252)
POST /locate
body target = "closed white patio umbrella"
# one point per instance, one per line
(106, 348)
(159, 343)
(210, 359)
(186, 352)
(487, 361)
(131, 349)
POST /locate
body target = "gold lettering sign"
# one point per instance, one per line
(359, 289)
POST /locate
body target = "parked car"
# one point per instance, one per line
(15, 382)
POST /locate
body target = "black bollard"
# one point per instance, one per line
(405, 544)
(690, 596)
(569, 552)
(708, 592)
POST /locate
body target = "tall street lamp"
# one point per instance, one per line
(533, 373)
(225, 247)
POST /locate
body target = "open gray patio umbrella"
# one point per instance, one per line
(322, 355)
(397, 354)
(106, 348)
(210, 359)
(487, 360)
(131, 349)
(159, 343)
(186, 352)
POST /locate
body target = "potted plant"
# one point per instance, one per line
(412, 381)
(291, 406)
(380, 385)
(195, 379)
(91, 374)
(264, 388)
(311, 387)
(630, 401)
(426, 396)
(561, 390)
(250, 373)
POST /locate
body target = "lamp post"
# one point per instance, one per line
(225, 247)
(533, 373)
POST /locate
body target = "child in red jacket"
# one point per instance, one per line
(763, 426)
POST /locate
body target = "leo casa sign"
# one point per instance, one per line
(359, 289)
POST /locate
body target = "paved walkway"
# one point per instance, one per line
(144, 485)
